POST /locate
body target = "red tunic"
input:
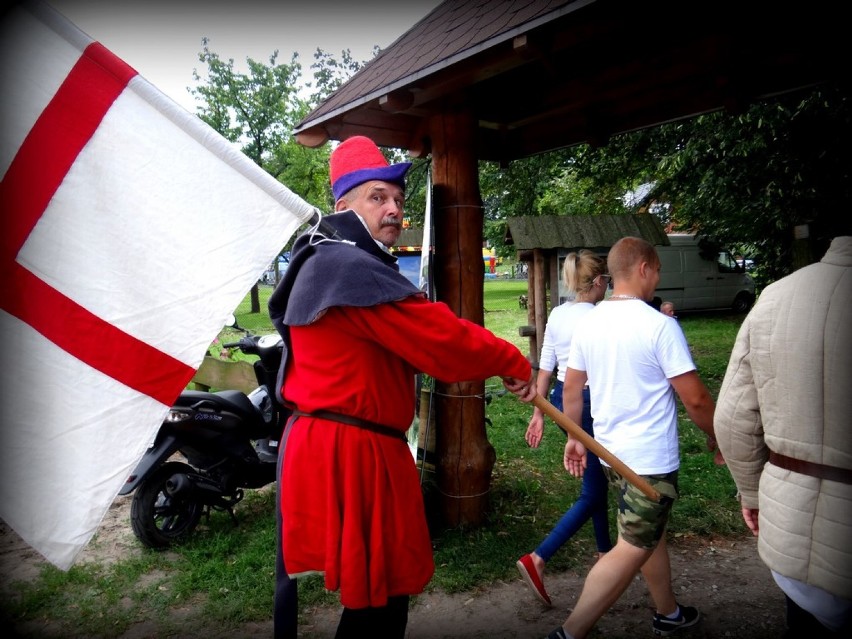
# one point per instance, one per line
(351, 500)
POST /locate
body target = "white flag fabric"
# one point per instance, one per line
(131, 230)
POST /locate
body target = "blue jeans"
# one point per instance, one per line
(592, 502)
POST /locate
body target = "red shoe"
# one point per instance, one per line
(530, 574)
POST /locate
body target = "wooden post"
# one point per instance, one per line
(465, 458)
(426, 435)
(553, 277)
(539, 268)
(529, 331)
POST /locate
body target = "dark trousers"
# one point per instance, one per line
(388, 622)
(801, 623)
(285, 616)
(285, 619)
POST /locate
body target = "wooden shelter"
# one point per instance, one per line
(505, 79)
(543, 241)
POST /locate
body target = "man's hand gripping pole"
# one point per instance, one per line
(591, 444)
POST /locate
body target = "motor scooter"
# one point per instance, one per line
(209, 449)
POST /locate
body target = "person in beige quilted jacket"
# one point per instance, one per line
(783, 422)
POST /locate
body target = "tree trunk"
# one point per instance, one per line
(465, 457)
(255, 299)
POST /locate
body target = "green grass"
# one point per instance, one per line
(503, 316)
(224, 576)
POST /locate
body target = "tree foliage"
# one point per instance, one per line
(747, 180)
(330, 73)
(256, 110)
(546, 184)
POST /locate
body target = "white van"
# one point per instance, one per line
(696, 276)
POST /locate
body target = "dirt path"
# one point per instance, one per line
(725, 579)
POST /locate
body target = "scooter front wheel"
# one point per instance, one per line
(158, 519)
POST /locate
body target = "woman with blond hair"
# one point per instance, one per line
(584, 274)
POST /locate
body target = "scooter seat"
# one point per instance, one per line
(231, 400)
(238, 399)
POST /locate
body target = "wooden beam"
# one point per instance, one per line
(397, 101)
(313, 137)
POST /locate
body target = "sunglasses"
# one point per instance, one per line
(606, 279)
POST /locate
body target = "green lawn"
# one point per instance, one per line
(224, 575)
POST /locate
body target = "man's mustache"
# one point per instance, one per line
(389, 221)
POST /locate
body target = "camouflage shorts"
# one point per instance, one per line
(642, 521)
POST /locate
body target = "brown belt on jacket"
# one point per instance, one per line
(812, 469)
(354, 421)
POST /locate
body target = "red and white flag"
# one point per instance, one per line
(130, 231)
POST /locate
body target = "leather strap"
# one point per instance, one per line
(354, 421)
(812, 469)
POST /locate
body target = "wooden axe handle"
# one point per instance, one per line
(591, 444)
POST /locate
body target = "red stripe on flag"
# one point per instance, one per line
(92, 340)
(60, 133)
(48, 152)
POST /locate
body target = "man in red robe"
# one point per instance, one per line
(356, 333)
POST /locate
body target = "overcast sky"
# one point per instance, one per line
(162, 40)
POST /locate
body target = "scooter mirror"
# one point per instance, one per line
(231, 321)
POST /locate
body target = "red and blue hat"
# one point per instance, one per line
(358, 160)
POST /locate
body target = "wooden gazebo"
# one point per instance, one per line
(541, 242)
(503, 79)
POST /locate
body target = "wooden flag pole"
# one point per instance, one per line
(591, 444)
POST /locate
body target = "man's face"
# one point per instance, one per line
(650, 278)
(380, 204)
(656, 273)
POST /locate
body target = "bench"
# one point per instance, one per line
(220, 374)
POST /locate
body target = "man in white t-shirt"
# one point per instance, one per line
(634, 360)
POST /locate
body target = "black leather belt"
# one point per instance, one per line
(812, 469)
(354, 421)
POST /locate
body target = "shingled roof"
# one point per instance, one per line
(581, 231)
(449, 33)
(538, 75)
